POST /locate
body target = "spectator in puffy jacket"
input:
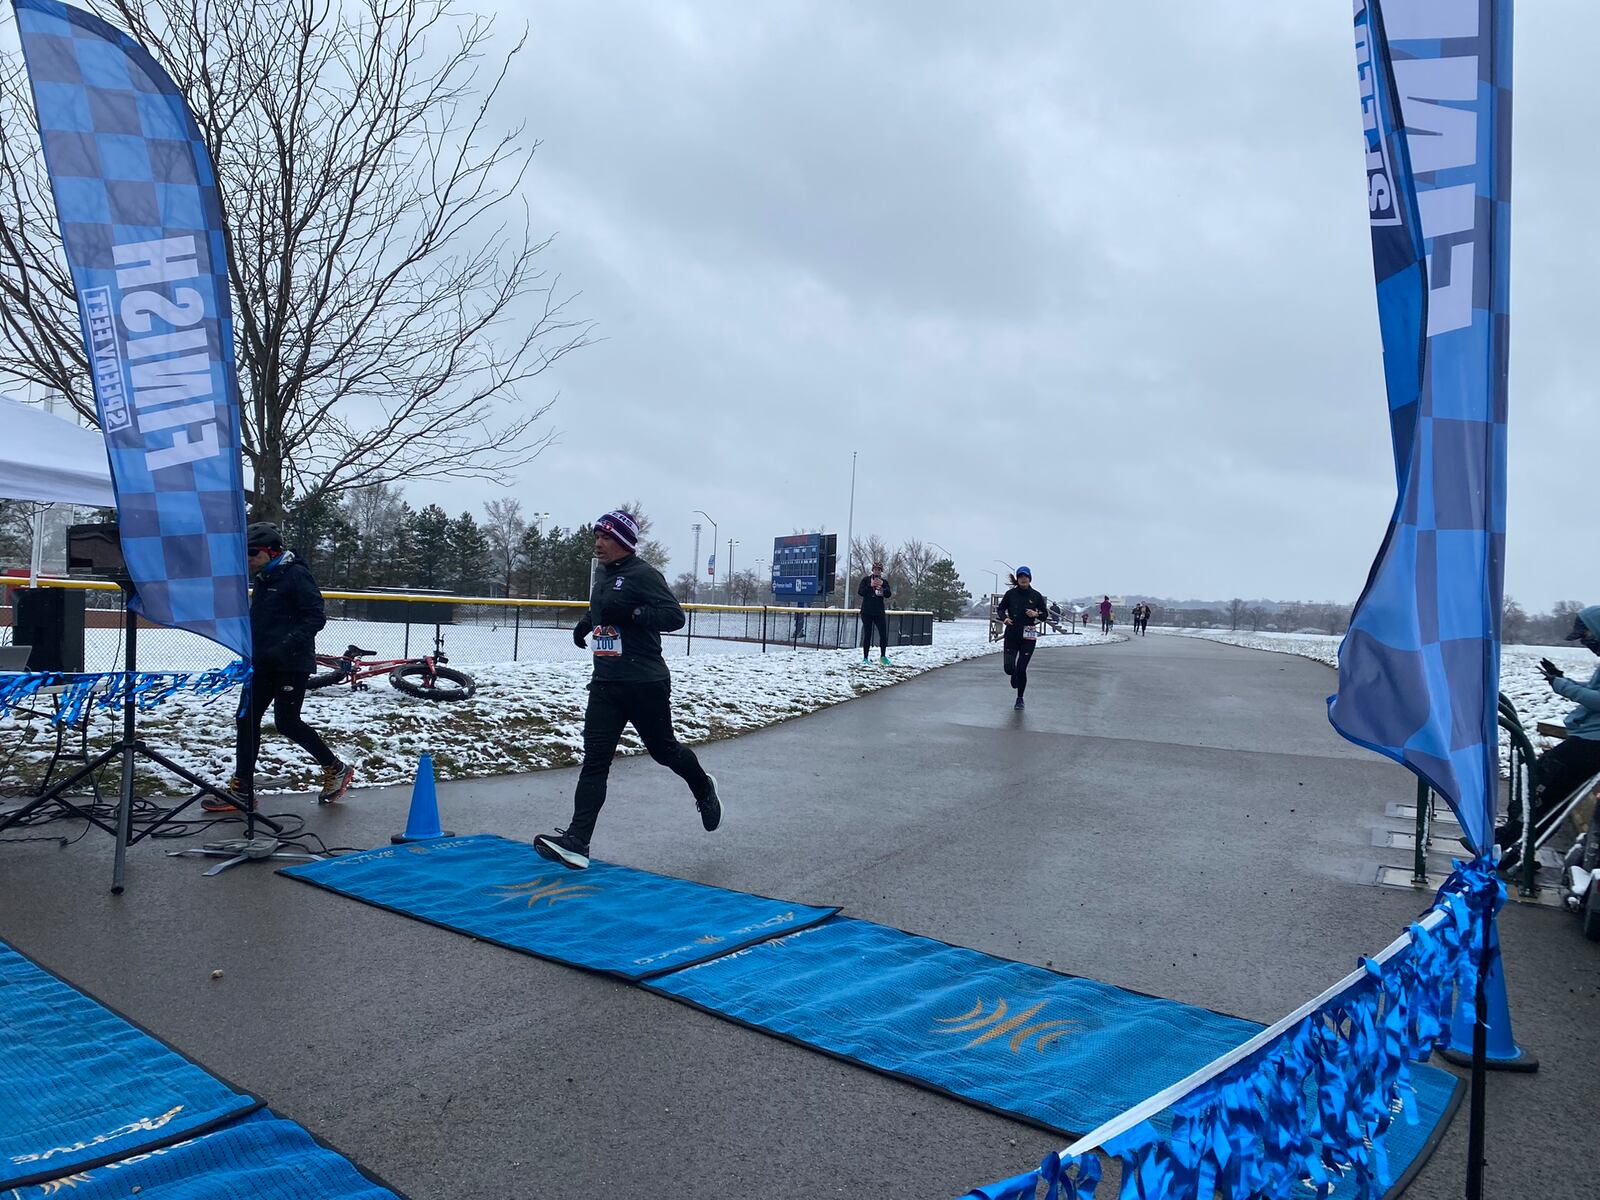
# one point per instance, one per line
(286, 614)
(1576, 759)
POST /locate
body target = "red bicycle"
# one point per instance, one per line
(426, 678)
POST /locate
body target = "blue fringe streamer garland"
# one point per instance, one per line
(1312, 1108)
(108, 690)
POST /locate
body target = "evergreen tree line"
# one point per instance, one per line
(373, 538)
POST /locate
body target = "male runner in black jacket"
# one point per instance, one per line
(285, 614)
(629, 609)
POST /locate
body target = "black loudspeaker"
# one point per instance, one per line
(96, 550)
(51, 621)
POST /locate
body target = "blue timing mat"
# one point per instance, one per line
(1060, 1052)
(80, 1085)
(607, 918)
(261, 1157)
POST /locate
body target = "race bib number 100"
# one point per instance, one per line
(606, 641)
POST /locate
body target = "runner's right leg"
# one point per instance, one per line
(603, 720)
(1020, 679)
(261, 689)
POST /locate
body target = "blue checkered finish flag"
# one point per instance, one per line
(137, 204)
(1419, 671)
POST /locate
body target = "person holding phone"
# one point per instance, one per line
(1576, 758)
(874, 590)
(1020, 610)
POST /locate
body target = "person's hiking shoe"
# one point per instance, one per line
(246, 798)
(335, 782)
(1019, 705)
(885, 660)
(710, 806)
(563, 848)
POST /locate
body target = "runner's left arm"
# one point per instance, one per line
(648, 603)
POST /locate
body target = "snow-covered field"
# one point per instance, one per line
(529, 715)
(1520, 679)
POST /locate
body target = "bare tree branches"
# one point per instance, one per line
(391, 307)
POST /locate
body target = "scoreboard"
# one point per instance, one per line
(803, 564)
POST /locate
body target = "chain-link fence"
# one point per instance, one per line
(476, 630)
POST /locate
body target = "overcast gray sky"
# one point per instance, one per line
(1087, 286)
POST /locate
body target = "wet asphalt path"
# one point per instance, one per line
(1169, 815)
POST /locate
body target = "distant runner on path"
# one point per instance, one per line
(874, 590)
(1105, 614)
(629, 609)
(1020, 610)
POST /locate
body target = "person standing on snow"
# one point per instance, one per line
(1020, 610)
(629, 609)
(874, 590)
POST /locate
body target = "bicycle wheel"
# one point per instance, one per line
(324, 679)
(448, 684)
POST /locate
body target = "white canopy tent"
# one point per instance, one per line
(47, 459)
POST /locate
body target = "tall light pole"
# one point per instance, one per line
(729, 573)
(694, 566)
(702, 513)
(850, 526)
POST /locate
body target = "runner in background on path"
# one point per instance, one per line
(1105, 614)
(1021, 609)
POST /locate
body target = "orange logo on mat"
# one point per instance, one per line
(997, 1024)
(542, 891)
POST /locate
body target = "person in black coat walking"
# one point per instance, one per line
(874, 590)
(629, 609)
(1020, 611)
(285, 615)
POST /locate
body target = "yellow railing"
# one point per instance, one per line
(100, 585)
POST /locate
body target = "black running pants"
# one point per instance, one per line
(869, 621)
(1016, 664)
(1561, 769)
(283, 693)
(611, 707)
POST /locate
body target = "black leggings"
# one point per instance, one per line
(611, 707)
(869, 621)
(1016, 664)
(283, 694)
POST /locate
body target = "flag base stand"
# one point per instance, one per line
(242, 850)
(129, 748)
